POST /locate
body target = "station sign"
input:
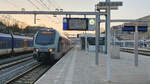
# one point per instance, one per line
(103, 5)
(132, 28)
(79, 24)
(110, 3)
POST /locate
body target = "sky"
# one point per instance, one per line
(131, 9)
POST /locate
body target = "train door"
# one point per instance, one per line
(25, 44)
(59, 45)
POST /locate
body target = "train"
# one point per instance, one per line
(49, 46)
(11, 44)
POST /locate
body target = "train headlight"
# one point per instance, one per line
(51, 50)
(37, 50)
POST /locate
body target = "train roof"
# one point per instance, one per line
(5, 35)
(47, 29)
(15, 36)
(22, 37)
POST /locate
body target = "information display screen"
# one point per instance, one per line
(77, 23)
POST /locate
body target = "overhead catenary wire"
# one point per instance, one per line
(50, 3)
(12, 20)
(33, 4)
(40, 3)
(12, 4)
(36, 6)
(44, 4)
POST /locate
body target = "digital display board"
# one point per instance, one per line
(75, 24)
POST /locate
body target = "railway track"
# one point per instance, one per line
(30, 76)
(145, 52)
(9, 64)
(21, 70)
(9, 60)
(10, 70)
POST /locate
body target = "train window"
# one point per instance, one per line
(45, 38)
(1, 43)
(22, 44)
(7, 44)
(59, 44)
(16, 44)
(19, 44)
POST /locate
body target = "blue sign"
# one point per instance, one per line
(132, 28)
(65, 24)
(91, 24)
(143, 28)
(128, 28)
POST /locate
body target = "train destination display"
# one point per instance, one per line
(75, 24)
(79, 24)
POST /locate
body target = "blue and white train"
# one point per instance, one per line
(11, 44)
(49, 46)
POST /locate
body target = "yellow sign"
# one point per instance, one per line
(92, 22)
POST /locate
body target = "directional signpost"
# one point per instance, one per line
(135, 29)
(108, 5)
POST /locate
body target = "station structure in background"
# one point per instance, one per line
(107, 6)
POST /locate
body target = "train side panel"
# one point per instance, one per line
(5, 45)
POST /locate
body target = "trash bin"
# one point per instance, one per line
(115, 52)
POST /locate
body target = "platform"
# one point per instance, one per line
(78, 67)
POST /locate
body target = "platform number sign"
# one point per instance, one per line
(91, 24)
(91, 21)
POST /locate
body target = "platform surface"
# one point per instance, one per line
(78, 67)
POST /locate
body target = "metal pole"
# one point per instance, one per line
(85, 38)
(106, 35)
(85, 41)
(136, 46)
(34, 18)
(114, 39)
(97, 38)
(108, 43)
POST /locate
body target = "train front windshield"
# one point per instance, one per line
(45, 38)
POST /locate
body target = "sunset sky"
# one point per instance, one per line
(131, 9)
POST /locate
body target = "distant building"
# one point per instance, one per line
(117, 30)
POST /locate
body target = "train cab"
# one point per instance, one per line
(49, 46)
(45, 44)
